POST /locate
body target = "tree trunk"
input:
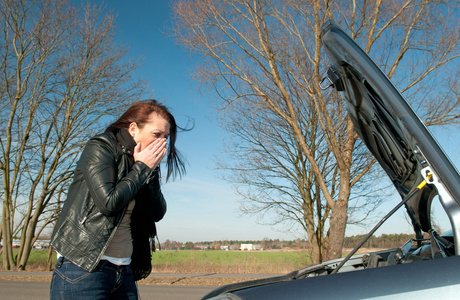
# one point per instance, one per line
(316, 247)
(26, 247)
(338, 223)
(7, 252)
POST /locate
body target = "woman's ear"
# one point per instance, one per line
(133, 129)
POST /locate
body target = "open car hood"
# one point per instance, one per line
(410, 156)
(394, 134)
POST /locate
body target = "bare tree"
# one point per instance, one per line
(295, 146)
(61, 75)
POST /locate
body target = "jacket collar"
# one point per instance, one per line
(126, 141)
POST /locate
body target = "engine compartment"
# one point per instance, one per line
(433, 247)
(413, 250)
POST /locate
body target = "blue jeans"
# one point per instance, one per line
(107, 281)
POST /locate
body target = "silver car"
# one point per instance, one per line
(419, 169)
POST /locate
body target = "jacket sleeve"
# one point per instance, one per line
(100, 171)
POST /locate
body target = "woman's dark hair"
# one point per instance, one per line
(139, 113)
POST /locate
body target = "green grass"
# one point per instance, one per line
(224, 257)
(212, 261)
(37, 260)
(39, 256)
(229, 261)
(35, 256)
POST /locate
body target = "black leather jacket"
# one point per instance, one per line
(98, 197)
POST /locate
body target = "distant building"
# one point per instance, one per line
(41, 244)
(200, 247)
(250, 247)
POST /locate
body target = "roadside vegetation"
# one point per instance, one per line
(279, 257)
(196, 261)
(383, 241)
(238, 262)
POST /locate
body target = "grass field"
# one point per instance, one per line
(193, 261)
(228, 261)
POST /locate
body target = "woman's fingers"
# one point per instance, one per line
(152, 154)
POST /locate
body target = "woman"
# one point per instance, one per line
(103, 231)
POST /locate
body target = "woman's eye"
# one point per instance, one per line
(159, 135)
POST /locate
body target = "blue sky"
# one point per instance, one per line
(202, 207)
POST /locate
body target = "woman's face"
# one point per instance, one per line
(155, 128)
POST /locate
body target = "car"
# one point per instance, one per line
(418, 168)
